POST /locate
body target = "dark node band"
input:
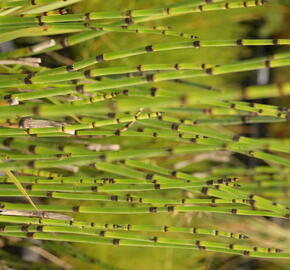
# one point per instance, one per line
(128, 13)
(87, 17)
(39, 228)
(75, 208)
(31, 164)
(129, 21)
(153, 209)
(39, 19)
(30, 235)
(153, 91)
(125, 92)
(24, 228)
(174, 173)
(240, 42)
(149, 48)
(209, 182)
(80, 88)
(234, 211)
(7, 142)
(268, 63)
(116, 242)
(150, 78)
(102, 233)
(157, 186)
(27, 80)
(87, 74)
(154, 239)
(94, 189)
(100, 58)
(31, 148)
(70, 68)
(149, 176)
(114, 198)
(236, 138)
(209, 71)
(174, 126)
(196, 44)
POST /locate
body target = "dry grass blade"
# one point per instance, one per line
(20, 187)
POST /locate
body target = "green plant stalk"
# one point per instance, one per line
(139, 179)
(84, 36)
(238, 144)
(49, 5)
(259, 109)
(133, 236)
(182, 125)
(250, 171)
(143, 210)
(181, 45)
(24, 3)
(77, 75)
(121, 227)
(116, 187)
(123, 242)
(129, 14)
(71, 129)
(139, 80)
(252, 92)
(69, 158)
(132, 198)
(109, 156)
(254, 200)
(50, 75)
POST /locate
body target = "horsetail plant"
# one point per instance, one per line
(124, 147)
